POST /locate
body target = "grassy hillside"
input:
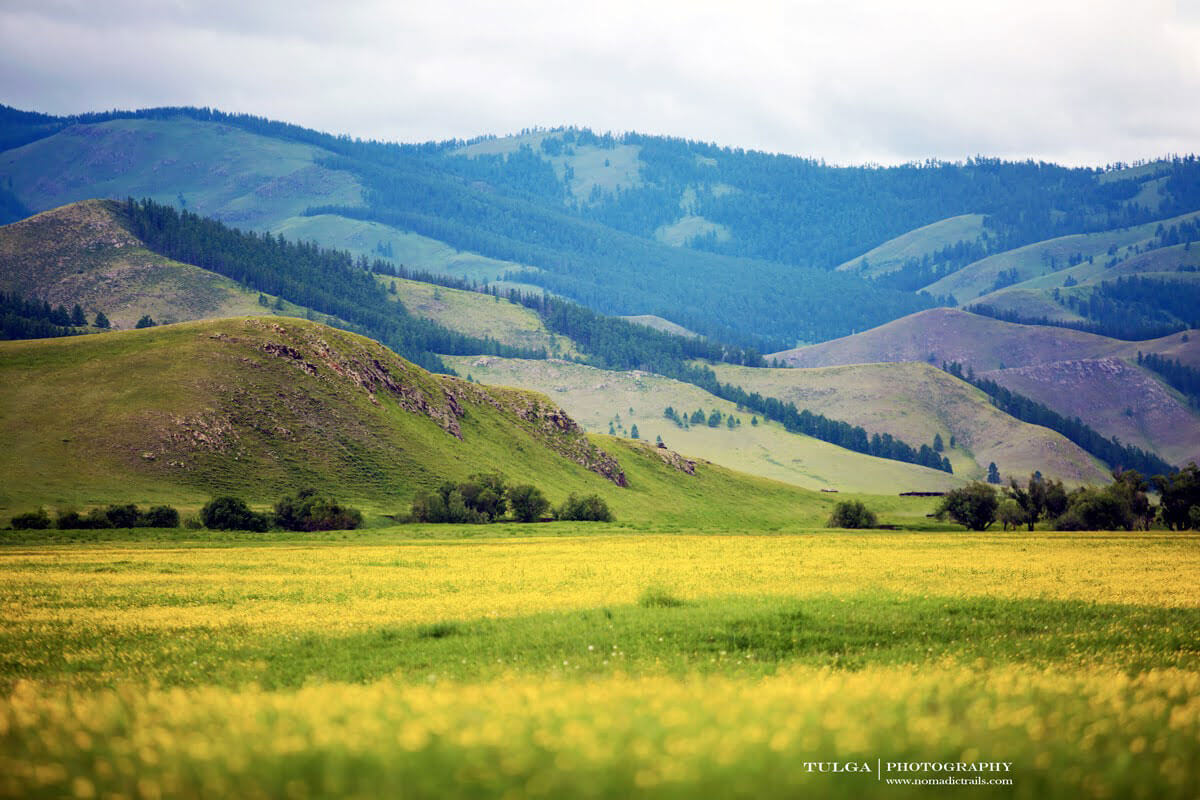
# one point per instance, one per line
(213, 169)
(479, 315)
(598, 398)
(260, 407)
(914, 402)
(892, 254)
(660, 324)
(1034, 298)
(1114, 397)
(945, 334)
(81, 253)
(1047, 258)
(403, 248)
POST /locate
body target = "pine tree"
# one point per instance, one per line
(633, 432)
(77, 317)
(993, 475)
(101, 321)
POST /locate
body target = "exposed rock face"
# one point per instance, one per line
(362, 366)
(549, 423)
(673, 459)
(444, 400)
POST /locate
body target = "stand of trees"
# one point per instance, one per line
(486, 497)
(114, 516)
(36, 319)
(1122, 505)
(1130, 309)
(1184, 378)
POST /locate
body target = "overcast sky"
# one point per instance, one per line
(1075, 81)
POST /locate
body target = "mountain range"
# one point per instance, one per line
(1067, 288)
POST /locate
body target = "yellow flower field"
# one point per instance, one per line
(609, 666)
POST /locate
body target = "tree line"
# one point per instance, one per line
(619, 344)
(327, 281)
(1184, 378)
(37, 319)
(488, 497)
(1122, 505)
(1110, 451)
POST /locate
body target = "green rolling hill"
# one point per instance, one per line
(1045, 259)
(211, 168)
(260, 407)
(893, 254)
(599, 398)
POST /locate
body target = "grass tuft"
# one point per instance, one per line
(438, 630)
(659, 597)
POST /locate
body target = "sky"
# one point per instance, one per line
(1073, 81)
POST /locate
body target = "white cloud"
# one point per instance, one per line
(1069, 80)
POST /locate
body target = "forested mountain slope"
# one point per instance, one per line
(587, 216)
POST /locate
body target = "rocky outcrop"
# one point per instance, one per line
(546, 421)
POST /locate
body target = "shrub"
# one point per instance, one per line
(479, 500)
(851, 514)
(658, 597)
(437, 630)
(527, 503)
(973, 505)
(591, 508)
(69, 521)
(232, 514)
(160, 517)
(309, 511)
(484, 493)
(31, 521)
(96, 519)
(1093, 509)
(122, 516)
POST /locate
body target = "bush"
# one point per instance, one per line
(309, 511)
(68, 521)
(1093, 509)
(96, 519)
(973, 505)
(445, 505)
(591, 508)
(122, 516)
(160, 517)
(851, 514)
(232, 514)
(480, 499)
(527, 503)
(658, 597)
(31, 521)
